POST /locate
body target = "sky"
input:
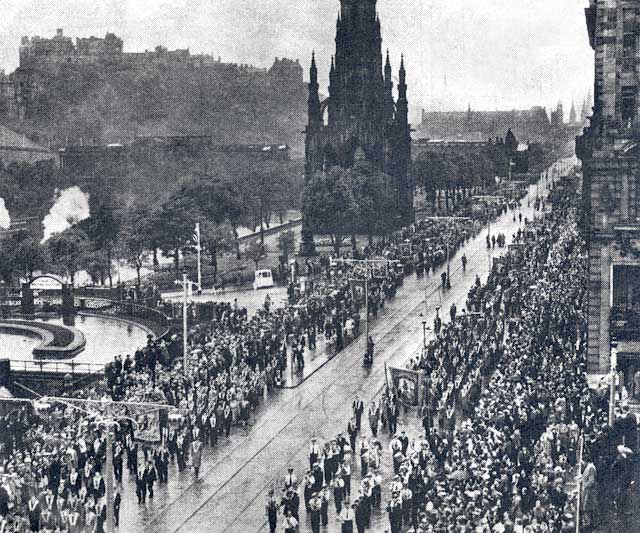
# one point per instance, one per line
(490, 54)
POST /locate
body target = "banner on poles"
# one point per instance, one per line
(147, 428)
(357, 290)
(379, 269)
(406, 250)
(408, 385)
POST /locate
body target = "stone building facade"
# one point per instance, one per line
(362, 118)
(473, 125)
(610, 154)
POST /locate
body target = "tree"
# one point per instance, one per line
(375, 199)
(68, 251)
(30, 255)
(215, 199)
(134, 243)
(255, 251)
(7, 265)
(175, 223)
(329, 205)
(97, 265)
(103, 226)
(216, 239)
(286, 243)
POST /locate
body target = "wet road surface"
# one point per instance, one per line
(234, 479)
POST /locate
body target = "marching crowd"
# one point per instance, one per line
(513, 365)
(52, 466)
(503, 423)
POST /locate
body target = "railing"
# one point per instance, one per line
(57, 367)
(155, 320)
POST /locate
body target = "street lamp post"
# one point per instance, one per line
(199, 249)
(612, 381)
(424, 334)
(366, 304)
(109, 468)
(184, 319)
(448, 266)
(185, 297)
(109, 420)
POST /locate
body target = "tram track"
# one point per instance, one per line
(396, 320)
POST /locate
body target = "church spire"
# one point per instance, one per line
(573, 117)
(314, 69)
(402, 80)
(387, 69)
(402, 104)
(315, 115)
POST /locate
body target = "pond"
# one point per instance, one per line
(105, 338)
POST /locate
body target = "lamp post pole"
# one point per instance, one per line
(199, 249)
(184, 319)
(109, 422)
(109, 480)
(366, 304)
(448, 265)
(612, 381)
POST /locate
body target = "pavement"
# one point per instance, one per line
(252, 300)
(230, 494)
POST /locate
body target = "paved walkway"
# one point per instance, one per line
(235, 476)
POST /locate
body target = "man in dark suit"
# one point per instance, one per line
(394, 510)
(405, 442)
(4, 501)
(358, 409)
(141, 484)
(352, 430)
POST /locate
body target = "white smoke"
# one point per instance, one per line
(5, 219)
(70, 206)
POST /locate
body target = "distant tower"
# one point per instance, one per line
(557, 117)
(572, 114)
(586, 108)
(362, 118)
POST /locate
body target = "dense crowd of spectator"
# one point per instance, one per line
(507, 401)
(509, 419)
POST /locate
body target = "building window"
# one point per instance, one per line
(628, 105)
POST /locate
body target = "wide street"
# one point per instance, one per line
(236, 475)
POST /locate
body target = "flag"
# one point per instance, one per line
(196, 237)
(147, 427)
(357, 291)
(409, 386)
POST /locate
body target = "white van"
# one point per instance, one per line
(263, 279)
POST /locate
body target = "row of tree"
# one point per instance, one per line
(127, 225)
(132, 231)
(459, 171)
(342, 203)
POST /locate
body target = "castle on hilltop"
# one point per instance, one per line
(89, 90)
(42, 53)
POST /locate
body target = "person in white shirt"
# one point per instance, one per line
(290, 524)
(290, 480)
(314, 453)
(347, 517)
